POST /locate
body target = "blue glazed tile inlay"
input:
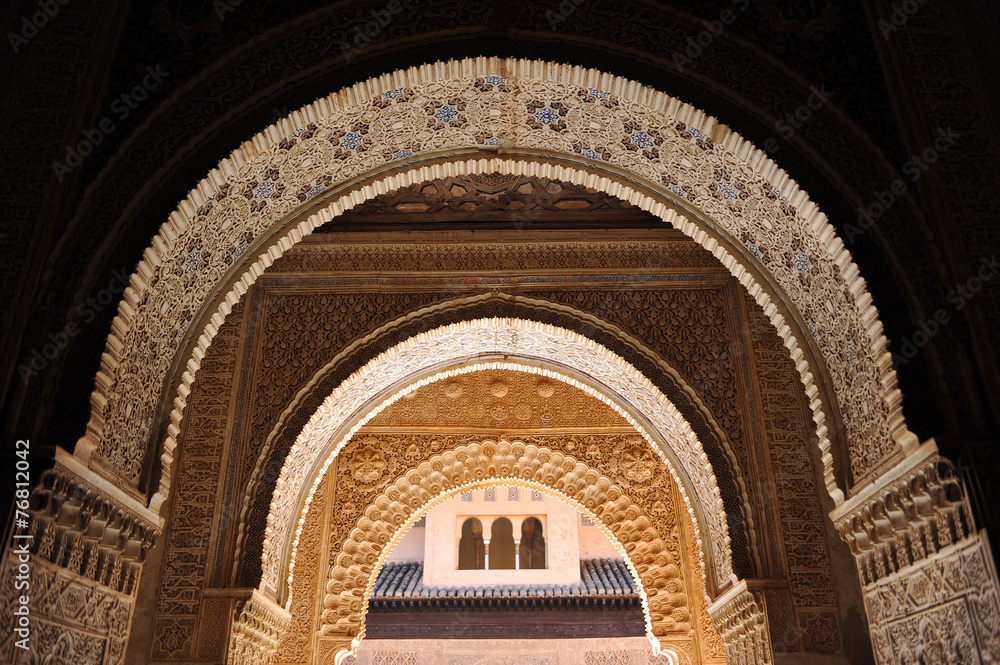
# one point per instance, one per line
(445, 113)
(351, 141)
(546, 115)
(642, 139)
(263, 190)
(192, 262)
(728, 190)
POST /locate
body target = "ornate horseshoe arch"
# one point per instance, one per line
(539, 119)
(509, 116)
(493, 344)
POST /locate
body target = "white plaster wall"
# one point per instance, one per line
(410, 547)
(444, 527)
(595, 545)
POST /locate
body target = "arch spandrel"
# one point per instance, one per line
(494, 344)
(745, 209)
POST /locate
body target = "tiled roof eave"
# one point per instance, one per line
(601, 580)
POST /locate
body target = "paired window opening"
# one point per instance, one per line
(501, 550)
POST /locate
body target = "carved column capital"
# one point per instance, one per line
(256, 629)
(89, 530)
(740, 618)
(908, 514)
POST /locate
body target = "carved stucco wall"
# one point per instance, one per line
(73, 619)
(928, 577)
(944, 609)
(297, 645)
(811, 595)
(186, 625)
(294, 311)
(708, 170)
(928, 71)
(500, 399)
(73, 574)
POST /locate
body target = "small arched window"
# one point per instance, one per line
(502, 545)
(471, 549)
(532, 548)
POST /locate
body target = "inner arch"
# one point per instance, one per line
(530, 485)
(498, 344)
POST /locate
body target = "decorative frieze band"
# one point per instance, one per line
(912, 512)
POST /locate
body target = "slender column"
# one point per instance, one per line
(517, 554)
(486, 559)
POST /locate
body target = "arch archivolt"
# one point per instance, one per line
(493, 344)
(440, 310)
(509, 116)
(353, 573)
